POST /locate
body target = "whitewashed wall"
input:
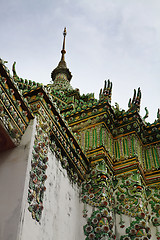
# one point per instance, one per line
(62, 214)
(13, 164)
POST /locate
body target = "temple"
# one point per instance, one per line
(74, 167)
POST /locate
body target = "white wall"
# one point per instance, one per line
(62, 214)
(13, 165)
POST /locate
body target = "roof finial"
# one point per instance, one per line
(63, 48)
(62, 66)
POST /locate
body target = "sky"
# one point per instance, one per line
(106, 39)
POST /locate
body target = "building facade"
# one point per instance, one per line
(74, 167)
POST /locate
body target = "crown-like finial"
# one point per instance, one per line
(63, 48)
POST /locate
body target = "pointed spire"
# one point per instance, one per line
(63, 48)
(62, 66)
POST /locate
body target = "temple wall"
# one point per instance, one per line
(13, 164)
(127, 220)
(62, 214)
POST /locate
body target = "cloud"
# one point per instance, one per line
(117, 39)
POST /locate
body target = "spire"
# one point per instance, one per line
(63, 48)
(61, 71)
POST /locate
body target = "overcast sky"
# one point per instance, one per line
(106, 39)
